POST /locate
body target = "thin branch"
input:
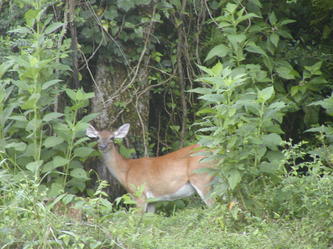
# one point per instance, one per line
(92, 77)
(210, 14)
(122, 88)
(139, 115)
(88, 4)
(93, 53)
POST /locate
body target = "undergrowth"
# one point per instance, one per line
(29, 220)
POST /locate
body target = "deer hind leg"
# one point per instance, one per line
(202, 185)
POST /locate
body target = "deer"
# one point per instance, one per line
(165, 178)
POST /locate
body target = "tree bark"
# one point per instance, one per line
(180, 54)
(74, 42)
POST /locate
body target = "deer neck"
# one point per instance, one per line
(116, 164)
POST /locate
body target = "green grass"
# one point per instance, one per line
(28, 221)
(194, 228)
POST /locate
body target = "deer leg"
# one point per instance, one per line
(202, 185)
(141, 205)
(150, 208)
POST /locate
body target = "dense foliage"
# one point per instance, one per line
(249, 79)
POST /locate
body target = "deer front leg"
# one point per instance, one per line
(150, 208)
(143, 205)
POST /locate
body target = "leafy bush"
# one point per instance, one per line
(35, 136)
(242, 112)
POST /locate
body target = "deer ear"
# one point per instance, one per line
(92, 132)
(122, 131)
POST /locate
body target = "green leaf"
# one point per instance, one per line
(272, 18)
(52, 116)
(125, 4)
(20, 146)
(265, 94)
(201, 90)
(274, 38)
(315, 68)
(219, 50)
(234, 178)
(31, 102)
(18, 118)
(213, 98)
(272, 140)
(83, 152)
(231, 8)
(56, 162)
(59, 161)
(287, 21)
(256, 2)
(34, 166)
(50, 83)
(81, 140)
(79, 173)
(33, 125)
(206, 70)
(246, 17)
(321, 129)
(22, 85)
(56, 189)
(53, 27)
(52, 141)
(71, 94)
(268, 167)
(236, 39)
(217, 68)
(253, 48)
(81, 95)
(286, 71)
(4, 67)
(20, 30)
(89, 117)
(30, 16)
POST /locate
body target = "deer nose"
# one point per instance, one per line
(102, 147)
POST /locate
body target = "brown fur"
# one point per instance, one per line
(160, 176)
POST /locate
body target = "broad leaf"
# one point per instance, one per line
(53, 27)
(89, 117)
(268, 167)
(234, 178)
(20, 146)
(52, 116)
(272, 18)
(34, 166)
(31, 102)
(59, 161)
(253, 48)
(286, 71)
(219, 50)
(201, 90)
(125, 4)
(79, 173)
(52, 141)
(272, 140)
(274, 38)
(50, 83)
(265, 94)
(83, 152)
(236, 39)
